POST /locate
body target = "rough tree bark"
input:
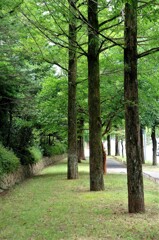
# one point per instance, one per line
(142, 145)
(132, 129)
(122, 148)
(96, 161)
(80, 140)
(108, 145)
(72, 170)
(117, 153)
(154, 146)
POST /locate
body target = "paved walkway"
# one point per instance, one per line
(114, 166)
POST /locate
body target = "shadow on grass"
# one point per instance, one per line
(59, 170)
(58, 175)
(62, 175)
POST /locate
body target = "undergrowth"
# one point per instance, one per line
(8, 161)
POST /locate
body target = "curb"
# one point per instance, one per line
(156, 180)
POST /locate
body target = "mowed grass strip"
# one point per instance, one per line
(50, 207)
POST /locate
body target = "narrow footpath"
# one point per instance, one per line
(115, 166)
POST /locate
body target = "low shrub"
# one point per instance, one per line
(30, 155)
(36, 153)
(9, 162)
(56, 149)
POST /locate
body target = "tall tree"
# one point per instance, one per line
(72, 172)
(96, 165)
(132, 129)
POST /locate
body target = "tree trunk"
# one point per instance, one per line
(49, 140)
(72, 172)
(96, 161)
(9, 125)
(117, 153)
(132, 129)
(154, 146)
(108, 145)
(80, 140)
(104, 160)
(142, 145)
(122, 148)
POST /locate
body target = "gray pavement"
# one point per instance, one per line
(115, 166)
(152, 175)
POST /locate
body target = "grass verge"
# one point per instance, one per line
(50, 207)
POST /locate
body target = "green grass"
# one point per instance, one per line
(149, 167)
(50, 207)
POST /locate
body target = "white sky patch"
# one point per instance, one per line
(2, 42)
(51, 44)
(58, 70)
(46, 13)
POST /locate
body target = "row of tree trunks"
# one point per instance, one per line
(154, 146)
(132, 127)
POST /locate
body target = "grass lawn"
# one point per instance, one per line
(149, 167)
(50, 207)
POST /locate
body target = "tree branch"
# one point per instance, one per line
(145, 4)
(13, 10)
(83, 19)
(108, 47)
(55, 63)
(43, 30)
(109, 20)
(114, 25)
(150, 51)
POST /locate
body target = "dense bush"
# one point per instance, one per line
(8, 161)
(30, 155)
(22, 136)
(56, 149)
(36, 153)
